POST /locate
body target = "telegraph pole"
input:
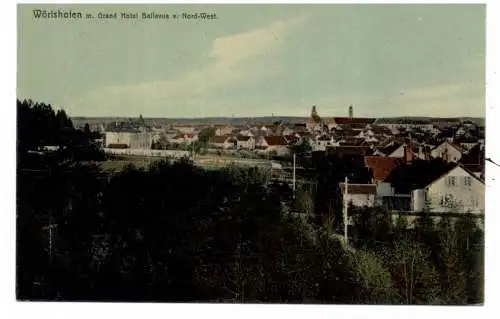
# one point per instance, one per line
(50, 227)
(293, 178)
(50, 238)
(345, 211)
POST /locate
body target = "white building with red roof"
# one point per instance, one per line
(277, 143)
(223, 142)
(245, 142)
(458, 190)
(359, 195)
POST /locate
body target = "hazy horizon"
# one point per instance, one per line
(265, 116)
(256, 60)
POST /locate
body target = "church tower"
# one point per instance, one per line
(350, 111)
(314, 122)
(314, 113)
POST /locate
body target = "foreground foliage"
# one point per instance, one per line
(175, 232)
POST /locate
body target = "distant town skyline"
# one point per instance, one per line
(258, 60)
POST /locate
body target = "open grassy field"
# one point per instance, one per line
(122, 162)
(145, 162)
(205, 161)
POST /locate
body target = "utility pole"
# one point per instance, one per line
(50, 227)
(345, 211)
(50, 238)
(293, 178)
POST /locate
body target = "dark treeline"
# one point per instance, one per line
(38, 126)
(175, 232)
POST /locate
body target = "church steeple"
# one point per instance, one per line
(314, 122)
(314, 115)
(313, 111)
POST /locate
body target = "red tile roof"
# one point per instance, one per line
(117, 146)
(291, 138)
(220, 139)
(359, 188)
(381, 166)
(276, 140)
(377, 129)
(351, 120)
(242, 138)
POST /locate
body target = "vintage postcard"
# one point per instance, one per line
(251, 153)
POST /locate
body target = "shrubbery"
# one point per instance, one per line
(176, 232)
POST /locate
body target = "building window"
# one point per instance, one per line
(467, 181)
(451, 181)
(446, 199)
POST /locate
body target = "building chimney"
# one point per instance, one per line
(409, 154)
(405, 157)
(445, 154)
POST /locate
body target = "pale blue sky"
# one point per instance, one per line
(255, 60)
